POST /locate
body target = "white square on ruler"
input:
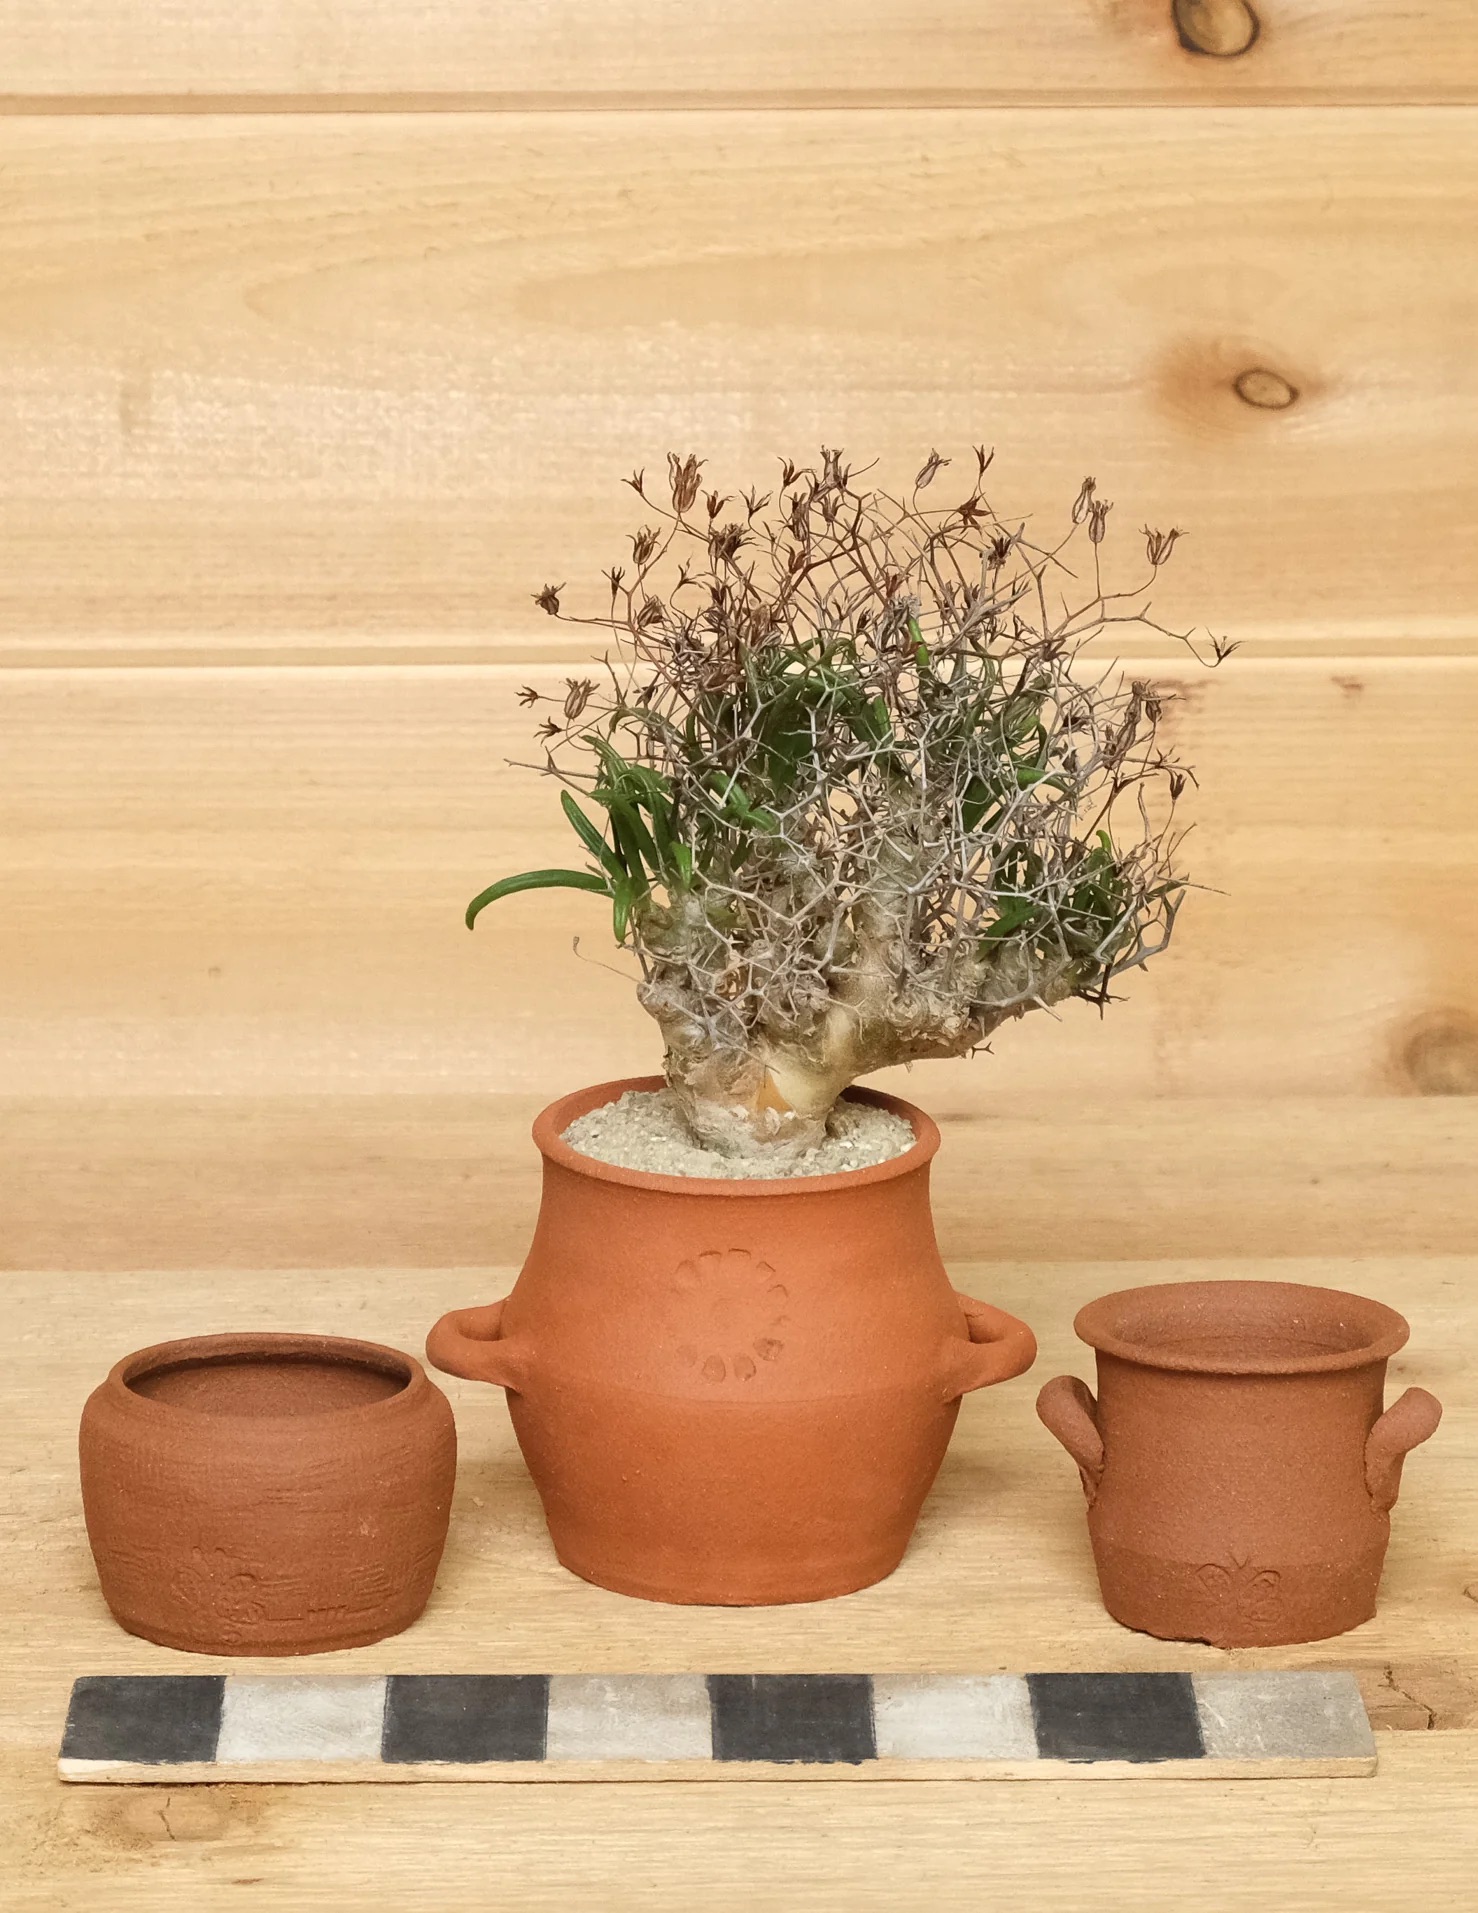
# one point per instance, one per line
(296, 1717)
(629, 1717)
(953, 1717)
(1289, 1714)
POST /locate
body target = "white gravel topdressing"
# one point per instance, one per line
(645, 1129)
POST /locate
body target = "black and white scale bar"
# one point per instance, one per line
(406, 1727)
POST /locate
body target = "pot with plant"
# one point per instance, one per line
(854, 798)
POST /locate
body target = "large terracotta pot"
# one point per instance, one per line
(267, 1494)
(732, 1392)
(1238, 1467)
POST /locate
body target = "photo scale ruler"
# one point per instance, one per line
(184, 1728)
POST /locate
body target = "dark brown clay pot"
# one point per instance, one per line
(1238, 1468)
(267, 1494)
(732, 1392)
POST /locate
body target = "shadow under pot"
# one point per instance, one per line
(1237, 1464)
(267, 1494)
(732, 1392)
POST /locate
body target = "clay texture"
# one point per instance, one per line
(267, 1494)
(1238, 1467)
(732, 1392)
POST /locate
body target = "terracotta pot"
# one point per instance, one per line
(267, 1494)
(732, 1392)
(1238, 1468)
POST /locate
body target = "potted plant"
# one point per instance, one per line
(854, 797)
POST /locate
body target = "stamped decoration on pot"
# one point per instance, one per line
(1251, 1593)
(745, 1312)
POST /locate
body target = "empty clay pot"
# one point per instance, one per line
(732, 1392)
(267, 1494)
(1238, 1467)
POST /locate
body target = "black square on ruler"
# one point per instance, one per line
(465, 1717)
(1115, 1716)
(149, 1718)
(813, 1717)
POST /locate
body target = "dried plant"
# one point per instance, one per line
(863, 798)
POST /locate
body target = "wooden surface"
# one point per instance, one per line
(572, 52)
(312, 385)
(329, 329)
(998, 1577)
(1323, 1846)
(304, 1181)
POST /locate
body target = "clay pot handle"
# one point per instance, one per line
(470, 1343)
(1405, 1424)
(1068, 1409)
(999, 1347)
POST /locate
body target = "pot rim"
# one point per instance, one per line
(550, 1124)
(251, 1343)
(1383, 1330)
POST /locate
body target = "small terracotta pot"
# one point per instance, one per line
(732, 1392)
(267, 1494)
(1238, 1468)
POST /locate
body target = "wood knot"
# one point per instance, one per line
(151, 1817)
(1219, 29)
(1440, 1056)
(1268, 391)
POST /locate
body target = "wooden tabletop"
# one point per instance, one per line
(998, 1578)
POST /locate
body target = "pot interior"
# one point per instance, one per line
(1242, 1328)
(270, 1382)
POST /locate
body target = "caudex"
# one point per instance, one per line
(853, 791)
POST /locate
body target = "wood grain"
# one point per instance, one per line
(249, 882)
(296, 385)
(1150, 1847)
(351, 52)
(998, 1577)
(413, 1182)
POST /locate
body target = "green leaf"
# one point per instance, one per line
(1013, 914)
(736, 805)
(624, 895)
(872, 721)
(591, 837)
(612, 762)
(633, 839)
(536, 880)
(661, 814)
(1021, 717)
(628, 790)
(980, 797)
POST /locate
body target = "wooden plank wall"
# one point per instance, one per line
(328, 333)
